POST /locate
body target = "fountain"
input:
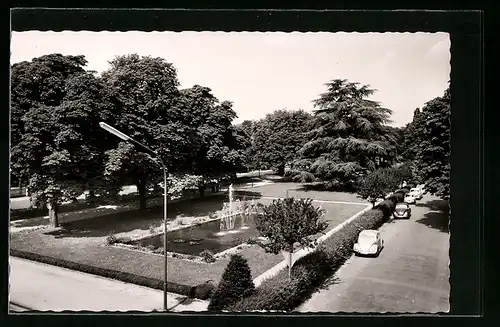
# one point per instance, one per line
(229, 212)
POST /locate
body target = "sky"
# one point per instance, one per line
(263, 72)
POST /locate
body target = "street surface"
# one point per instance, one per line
(410, 275)
(42, 287)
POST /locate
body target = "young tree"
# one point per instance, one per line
(278, 137)
(428, 138)
(376, 185)
(287, 222)
(349, 136)
(236, 283)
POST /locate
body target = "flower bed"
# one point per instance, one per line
(279, 293)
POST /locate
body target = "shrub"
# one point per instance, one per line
(124, 240)
(387, 207)
(402, 191)
(111, 239)
(310, 271)
(236, 283)
(396, 197)
(205, 290)
(207, 256)
(152, 229)
(252, 241)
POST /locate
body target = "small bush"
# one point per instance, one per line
(124, 240)
(111, 239)
(396, 197)
(152, 229)
(158, 251)
(236, 284)
(252, 241)
(401, 191)
(205, 290)
(207, 256)
(387, 207)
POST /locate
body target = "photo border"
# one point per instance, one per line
(465, 28)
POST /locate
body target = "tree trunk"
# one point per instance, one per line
(281, 169)
(91, 198)
(53, 214)
(373, 204)
(113, 193)
(141, 189)
(202, 190)
(290, 265)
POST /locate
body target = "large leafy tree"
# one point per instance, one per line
(146, 89)
(61, 145)
(428, 143)
(217, 147)
(34, 84)
(276, 139)
(349, 135)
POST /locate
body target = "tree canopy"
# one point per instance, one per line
(276, 138)
(349, 135)
(427, 141)
(57, 144)
(217, 147)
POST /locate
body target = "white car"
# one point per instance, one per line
(369, 243)
(410, 198)
(417, 192)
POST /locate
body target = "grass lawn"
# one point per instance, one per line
(84, 242)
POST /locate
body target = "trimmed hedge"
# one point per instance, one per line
(309, 272)
(202, 291)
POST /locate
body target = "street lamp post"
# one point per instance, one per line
(127, 138)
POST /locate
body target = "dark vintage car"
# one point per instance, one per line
(402, 210)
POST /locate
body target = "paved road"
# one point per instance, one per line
(410, 275)
(43, 287)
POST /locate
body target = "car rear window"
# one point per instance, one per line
(402, 206)
(366, 237)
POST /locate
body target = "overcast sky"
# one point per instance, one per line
(262, 72)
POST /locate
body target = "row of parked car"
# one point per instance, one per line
(403, 209)
(370, 242)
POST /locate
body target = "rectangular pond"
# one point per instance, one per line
(207, 236)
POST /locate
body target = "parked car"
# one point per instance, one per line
(369, 243)
(402, 210)
(410, 198)
(417, 192)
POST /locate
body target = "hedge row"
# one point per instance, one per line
(309, 272)
(200, 291)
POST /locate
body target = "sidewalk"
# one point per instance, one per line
(42, 287)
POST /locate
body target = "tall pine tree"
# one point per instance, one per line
(350, 136)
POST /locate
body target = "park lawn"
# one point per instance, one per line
(83, 243)
(299, 190)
